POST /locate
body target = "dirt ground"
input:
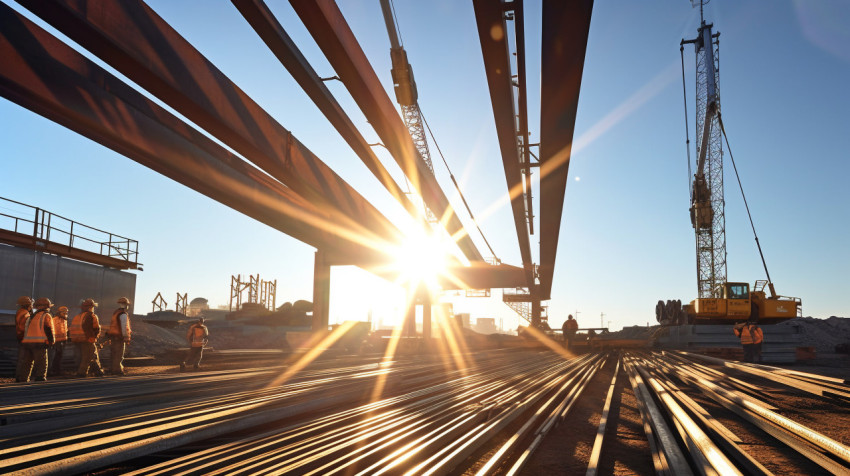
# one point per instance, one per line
(567, 447)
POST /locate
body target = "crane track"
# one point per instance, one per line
(498, 413)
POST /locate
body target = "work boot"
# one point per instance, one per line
(197, 367)
(182, 366)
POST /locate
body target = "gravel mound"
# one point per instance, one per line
(822, 334)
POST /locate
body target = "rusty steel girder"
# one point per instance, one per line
(272, 33)
(46, 76)
(493, 35)
(133, 39)
(331, 32)
(565, 30)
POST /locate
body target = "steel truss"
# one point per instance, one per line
(710, 242)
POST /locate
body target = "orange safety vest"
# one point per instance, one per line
(21, 322)
(115, 325)
(78, 334)
(60, 329)
(196, 335)
(750, 336)
(35, 328)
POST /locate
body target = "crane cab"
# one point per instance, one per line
(732, 302)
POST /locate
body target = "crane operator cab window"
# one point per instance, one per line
(738, 291)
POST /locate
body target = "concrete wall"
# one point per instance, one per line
(65, 281)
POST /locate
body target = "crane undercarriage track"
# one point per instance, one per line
(502, 412)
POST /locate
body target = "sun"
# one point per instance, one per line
(422, 258)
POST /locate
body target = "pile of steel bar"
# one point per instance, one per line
(428, 431)
(425, 416)
(686, 439)
(485, 413)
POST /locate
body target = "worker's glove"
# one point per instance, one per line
(127, 341)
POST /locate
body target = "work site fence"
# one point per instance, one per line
(46, 226)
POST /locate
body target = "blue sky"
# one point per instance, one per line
(626, 239)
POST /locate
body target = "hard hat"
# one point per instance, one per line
(570, 316)
(123, 300)
(61, 310)
(43, 303)
(201, 319)
(24, 301)
(88, 303)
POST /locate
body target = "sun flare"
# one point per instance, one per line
(422, 258)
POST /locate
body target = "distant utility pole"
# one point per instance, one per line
(601, 319)
(576, 314)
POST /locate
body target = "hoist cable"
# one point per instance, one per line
(687, 129)
(457, 187)
(723, 129)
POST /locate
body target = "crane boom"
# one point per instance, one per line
(405, 88)
(707, 197)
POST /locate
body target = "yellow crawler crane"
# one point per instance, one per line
(718, 301)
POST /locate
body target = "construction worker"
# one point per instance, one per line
(60, 334)
(569, 329)
(751, 339)
(21, 316)
(198, 335)
(84, 331)
(38, 335)
(119, 334)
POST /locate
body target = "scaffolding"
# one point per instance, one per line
(159, 303)
(261, 292)
(180, 307)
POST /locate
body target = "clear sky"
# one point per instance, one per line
(626, 238)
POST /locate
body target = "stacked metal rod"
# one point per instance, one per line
(686, 439)
(429, 431)
(424, 417)
(134, 422)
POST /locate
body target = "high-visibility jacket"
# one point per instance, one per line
(750, 334)
(117, 328)
(197, 335)
(39, 328)
(60, 329)
(570, 325)
(21, 323)
(84, 327)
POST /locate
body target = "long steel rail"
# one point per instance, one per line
(489, 416)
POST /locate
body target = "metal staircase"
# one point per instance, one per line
(520, 301)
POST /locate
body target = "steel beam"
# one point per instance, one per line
(480, 275)
(331, 32)
(522, 113)
(272, 33)
(133, 39)
(46, 76)
(492, 33)
(564, 38)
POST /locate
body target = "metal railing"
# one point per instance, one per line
(45, 226)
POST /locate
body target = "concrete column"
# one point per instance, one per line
(321, 292)
(426, 317)
(409, 325)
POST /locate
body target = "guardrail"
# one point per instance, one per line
(47, 226)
